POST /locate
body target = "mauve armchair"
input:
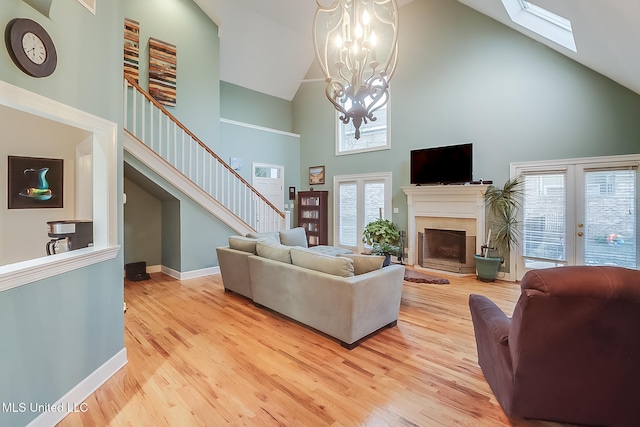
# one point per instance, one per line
(571, 351)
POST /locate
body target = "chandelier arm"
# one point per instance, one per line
(324, 65)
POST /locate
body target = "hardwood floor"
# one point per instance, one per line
(201, 357)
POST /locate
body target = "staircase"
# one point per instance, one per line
(167, 147)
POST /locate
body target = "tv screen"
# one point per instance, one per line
(442, 165)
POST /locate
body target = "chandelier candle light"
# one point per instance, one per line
(356, 44)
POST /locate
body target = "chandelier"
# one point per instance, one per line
(356, 44)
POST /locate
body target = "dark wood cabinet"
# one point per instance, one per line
(312, 216)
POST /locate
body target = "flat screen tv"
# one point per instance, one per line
(442, 165)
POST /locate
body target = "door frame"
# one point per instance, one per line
(574, 198)
(255, 165)
(359, 180)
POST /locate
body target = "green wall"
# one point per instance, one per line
(142, 225)
(248, 106)
(182, 23)
(57, 331)
(463, 77)
(264, 136)
(190, 234)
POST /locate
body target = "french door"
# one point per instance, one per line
(359, 199)
(579, 212)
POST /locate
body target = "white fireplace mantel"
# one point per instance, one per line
(444, 201)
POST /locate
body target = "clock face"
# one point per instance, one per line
(34, 48)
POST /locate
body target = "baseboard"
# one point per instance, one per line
(154, 268)
(73, 401)
(190, 274)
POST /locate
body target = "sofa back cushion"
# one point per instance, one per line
(311, 260)
(267, 248)
(294, 237)
(364, 263)
(242, 243)
(274, 236)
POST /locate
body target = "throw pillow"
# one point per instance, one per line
(242, 243)
(294, 237)
(267, 248)
(365, 263)
(274, 236)
(337, 266)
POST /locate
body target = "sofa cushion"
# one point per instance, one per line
(267, 248)
(364, 263)
(242, 243)
(294, 237)
(312, 260)
(274, 236)
(329, 250)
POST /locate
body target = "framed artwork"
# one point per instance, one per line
(316, 175)
(132, 48)
(35, 182)
(162, 72)
(292, 193)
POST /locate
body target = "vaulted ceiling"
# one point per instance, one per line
(266, 45)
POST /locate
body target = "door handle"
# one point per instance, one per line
(580, 233)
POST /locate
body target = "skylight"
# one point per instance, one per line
(541, 21)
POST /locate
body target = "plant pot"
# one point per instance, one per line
(487, 268)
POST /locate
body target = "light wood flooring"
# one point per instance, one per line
(199, 356)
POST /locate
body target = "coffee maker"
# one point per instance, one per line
(68, 235)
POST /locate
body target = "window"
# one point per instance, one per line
(373, 135)
(541, 21)
(358, 200)
(579, 212)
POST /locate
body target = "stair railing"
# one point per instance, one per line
(151, 124)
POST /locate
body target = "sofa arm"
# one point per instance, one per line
(485, 313)
(491, 328)
(234, 269)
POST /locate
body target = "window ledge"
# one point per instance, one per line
(22, 273)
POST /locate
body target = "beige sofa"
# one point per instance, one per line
(345, 296)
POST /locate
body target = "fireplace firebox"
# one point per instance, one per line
(448, 250)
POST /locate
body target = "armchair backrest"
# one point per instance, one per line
(575, 331)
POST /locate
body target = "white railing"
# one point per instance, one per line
(152, 125)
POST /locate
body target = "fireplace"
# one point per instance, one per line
(445, 207)
(448, 250)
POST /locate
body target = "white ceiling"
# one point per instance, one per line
(266, 45)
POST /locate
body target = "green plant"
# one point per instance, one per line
(383, 236)
(503, 205)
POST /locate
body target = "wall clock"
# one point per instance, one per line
(30, 47)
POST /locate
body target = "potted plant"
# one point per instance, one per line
(383, 237)
(503, 205)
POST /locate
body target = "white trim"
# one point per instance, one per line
(22, 273)
(359, 180)
(444, 201)
(569, 167)
(561, 164)
(156, 163)
(154, 268)
(540, 24)
(190, 274)
(89, 4)
(261, 128)
(104, 174)
(74, 399)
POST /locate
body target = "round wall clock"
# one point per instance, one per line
(31, 47)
